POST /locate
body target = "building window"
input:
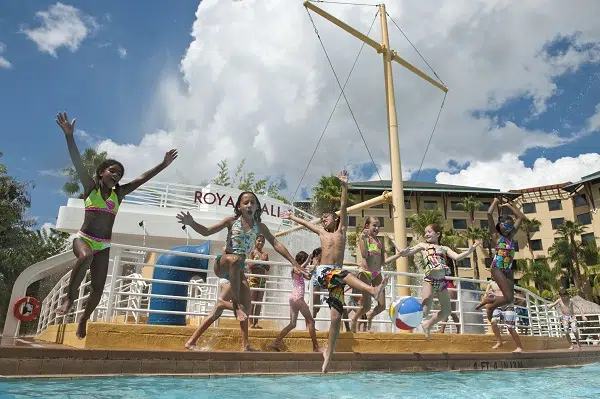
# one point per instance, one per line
(380, 221)
(484, 224)
(579, 200)
(408, 223)
(408, 240)
(352, 221)
(459, 224)
(406, 204)
(485, 206)
(516, 245)
(536, 245)
(378, 206)
(584, 218)
(465, 263)
(488, 262)
(456, 206)
(430, 204)
(555, 205)
(588, 238)
(557, 222)
(529, 208)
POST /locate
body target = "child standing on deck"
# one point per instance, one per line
(436, 270)
(298, 305)
(257, 253)
(504, 314)
(242, 231)
(103, 195)
(567, 318)
(372, 251)
(329, 273)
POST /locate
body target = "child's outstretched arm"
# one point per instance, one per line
(134, 184)
(396, 255)
(290, 216)
(458, 257)
(410, 251)
(280, 248)
(188, 220)
(343, 176)
(68, 128)
(553, 304)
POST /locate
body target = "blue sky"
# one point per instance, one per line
(112, 93)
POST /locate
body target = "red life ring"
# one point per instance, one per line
(32, 314)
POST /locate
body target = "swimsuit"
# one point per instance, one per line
(435, 259)
(374, 248)
(297, 288)
(506, 314)
(569, 323)
(332, 277)
(96, 203)
(239, 242)
(505, 252)
(257, 282)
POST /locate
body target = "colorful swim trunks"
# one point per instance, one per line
(332, 278)
(507, 315)
(569, 323)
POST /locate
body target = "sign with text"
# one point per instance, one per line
(227, 200)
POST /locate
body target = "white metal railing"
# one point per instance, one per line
(126, 298)
(183, 196)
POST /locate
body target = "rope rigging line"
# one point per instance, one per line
(337, 101)
(343, 2)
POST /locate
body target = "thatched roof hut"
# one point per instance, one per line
(586, 307)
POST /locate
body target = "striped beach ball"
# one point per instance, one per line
(406, 312)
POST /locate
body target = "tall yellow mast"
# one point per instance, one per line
(397, 183)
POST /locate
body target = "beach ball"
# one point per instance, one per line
(406, 312)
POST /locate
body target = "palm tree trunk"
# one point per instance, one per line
(580, 281)
(476, 265)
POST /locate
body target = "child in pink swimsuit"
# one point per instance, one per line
(298, 305)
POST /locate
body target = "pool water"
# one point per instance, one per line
(572, 383)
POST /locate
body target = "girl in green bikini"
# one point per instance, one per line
(91, 244)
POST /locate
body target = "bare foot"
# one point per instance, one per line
(276, 347)
(191, 347)
(81, 329)
(325, 361)
(240, 315)
(571, 347)
(499, 344)
(578, 347)
(253, 327)
(248, 348)
(369, 321)
(317, 349)
(518, 350)
(426, 331)
(65, 307)
(483, 302)
(380, 288)
(257, 327)
(353, 326)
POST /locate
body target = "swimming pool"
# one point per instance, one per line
(573, 382)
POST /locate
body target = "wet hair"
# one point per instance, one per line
(316, 253)
(332, 213)
(107, 163)
(259, 235)
(563, 291)
(301, 257)
(368, 221)
(258, 212)
(437, 229)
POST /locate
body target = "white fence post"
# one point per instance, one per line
(116, 271)
(461, 317)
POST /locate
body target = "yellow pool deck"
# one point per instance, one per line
(129, 349)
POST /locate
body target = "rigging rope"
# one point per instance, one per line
(342, 93)
(344, 3)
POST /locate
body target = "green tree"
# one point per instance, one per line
(424, 218)
(542, 274)
(530, 226)
(569, 230)
(327, 195)
(247, 181)
(91, 159)
(471, 205)
(454, 241)
(560, 255)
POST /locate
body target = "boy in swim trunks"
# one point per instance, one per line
(505, 314)
(567, 318)
(329, 273)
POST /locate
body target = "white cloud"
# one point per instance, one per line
(47, 226)
(122, 52)
(4, 63)
(61, 26)
(593, 123)
(509, 172)
(255, 84)
(51, 173)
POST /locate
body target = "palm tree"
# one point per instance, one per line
(569, 229)
(471, 205)
(453, 240)
(327, 194)
(91, 159)
(424, 218)
(529, 226)
(543, 276)
(560, 255)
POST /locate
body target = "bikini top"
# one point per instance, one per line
(373, 246)
(239, 241)
(435, 258)
(505, 252)
(95, 203)
(257, 265)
